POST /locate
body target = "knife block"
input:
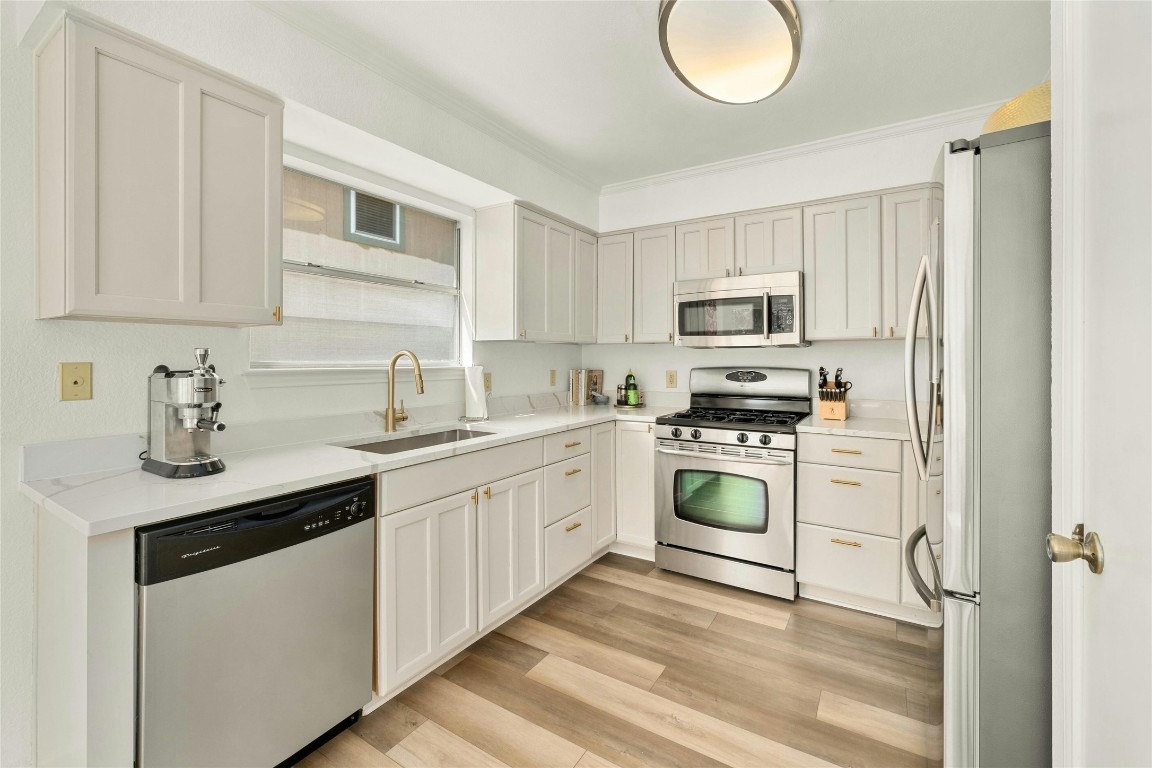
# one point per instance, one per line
(835, 410)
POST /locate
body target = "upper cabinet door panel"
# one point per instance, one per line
(129, 164)
(842, 269)
(770, 241)
(559, 283)
(240, 232)
(907, 226)
(655, 264)
(531, 274)
(585, 289)
(614, 268)
(168, 199)
(704, 249)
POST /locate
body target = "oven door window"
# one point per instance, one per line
(742, 316)
(721, 500)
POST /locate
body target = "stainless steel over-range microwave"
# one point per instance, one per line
(747, 311)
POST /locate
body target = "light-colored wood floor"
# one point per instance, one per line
(627, 665)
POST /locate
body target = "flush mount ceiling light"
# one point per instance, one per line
(731, 51)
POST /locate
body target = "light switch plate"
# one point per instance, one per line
(670, 379)
(75, 381)
(488, 383)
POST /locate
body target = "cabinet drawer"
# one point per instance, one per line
(861, 452)
(855, 499)
(858, 563)
(567, 545)
(567, 487)
(565, 445)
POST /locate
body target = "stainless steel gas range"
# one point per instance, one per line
(726, 478)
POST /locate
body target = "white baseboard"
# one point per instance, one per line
(634, 547)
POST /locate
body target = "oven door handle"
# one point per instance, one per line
(689, 455)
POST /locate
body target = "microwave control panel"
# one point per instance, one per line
(781, 314)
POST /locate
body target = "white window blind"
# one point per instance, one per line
(348, 303)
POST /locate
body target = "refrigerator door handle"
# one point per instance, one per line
(932, 596)
(924, 284)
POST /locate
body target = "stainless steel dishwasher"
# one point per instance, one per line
(255, 627)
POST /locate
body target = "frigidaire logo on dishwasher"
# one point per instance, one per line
(198, 552)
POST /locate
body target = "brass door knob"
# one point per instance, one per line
(1088, 548)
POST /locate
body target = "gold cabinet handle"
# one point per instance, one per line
(571, 472)
(573, 445)
(523, 334)
(277, 315)
(475, 497)
(891, 331)
(574, 526)
(649, 427)
(874, 333)
(727, 273)
(488, 492)
(625, 338)
(847, 543)
(669, 337)
(846, 482)
(740, 271)
(848, 450)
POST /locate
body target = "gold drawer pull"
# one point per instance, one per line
(847, 543)
(848, 450)
(846, 482)
(574, 526)
(937, 493)
(488, 492)
(572, 445)
(571, 472)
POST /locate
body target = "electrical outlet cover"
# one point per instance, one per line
(552, 377)
(75, 381)
(488, 383)
(670, 379)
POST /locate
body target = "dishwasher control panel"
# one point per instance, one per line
(352, 510)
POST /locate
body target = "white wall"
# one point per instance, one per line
(241, 39)
(893, 156)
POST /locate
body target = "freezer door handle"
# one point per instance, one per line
(932, 596)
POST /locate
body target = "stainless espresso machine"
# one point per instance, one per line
(183, 411)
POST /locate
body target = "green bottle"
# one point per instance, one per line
(631, 391)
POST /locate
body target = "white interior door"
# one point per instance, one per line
(1102, 195)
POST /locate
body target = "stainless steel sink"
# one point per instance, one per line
(401, 444)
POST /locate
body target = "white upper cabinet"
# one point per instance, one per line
(842, 269)
(770, 241)
(653, 277)
(159, 185)
(614, 266)
(535, 277)
(908, 237)
(584, 294)
(705, 249)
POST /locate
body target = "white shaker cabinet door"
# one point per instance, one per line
(511, 545)
(603, 485)
(614, 272)
(584, 293)
(770, 241)
(654, 275)
(907, 231)
(545, 261)
(705, 249)
(159, 185)
(427, 588)
(635, 498)
(842, 269)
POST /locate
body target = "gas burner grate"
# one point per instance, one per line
(757, 418)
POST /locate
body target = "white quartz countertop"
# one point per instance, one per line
(108, 501)
(882, 419)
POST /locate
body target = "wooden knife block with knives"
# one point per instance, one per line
(833, 396)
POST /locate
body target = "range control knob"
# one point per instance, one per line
(742, 437)
(765, 439)
(676, 432)
(695, 434)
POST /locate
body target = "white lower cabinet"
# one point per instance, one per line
(511, 545)
(567, 545)
(635, 502)
(427, 585)
(603, 485)
(567, 487)
(848, 561)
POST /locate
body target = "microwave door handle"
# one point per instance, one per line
(918, 451)
(767, 317)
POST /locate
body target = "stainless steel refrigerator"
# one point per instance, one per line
(990, 293)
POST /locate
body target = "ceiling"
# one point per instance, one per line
(583, 82)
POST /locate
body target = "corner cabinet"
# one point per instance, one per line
(538, 277)
(637, 271)
(635, 500)
(158, 194)
(603, 485)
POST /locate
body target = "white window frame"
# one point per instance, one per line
(340, 172)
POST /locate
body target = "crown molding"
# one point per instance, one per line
(868, 136)
(355, 47)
